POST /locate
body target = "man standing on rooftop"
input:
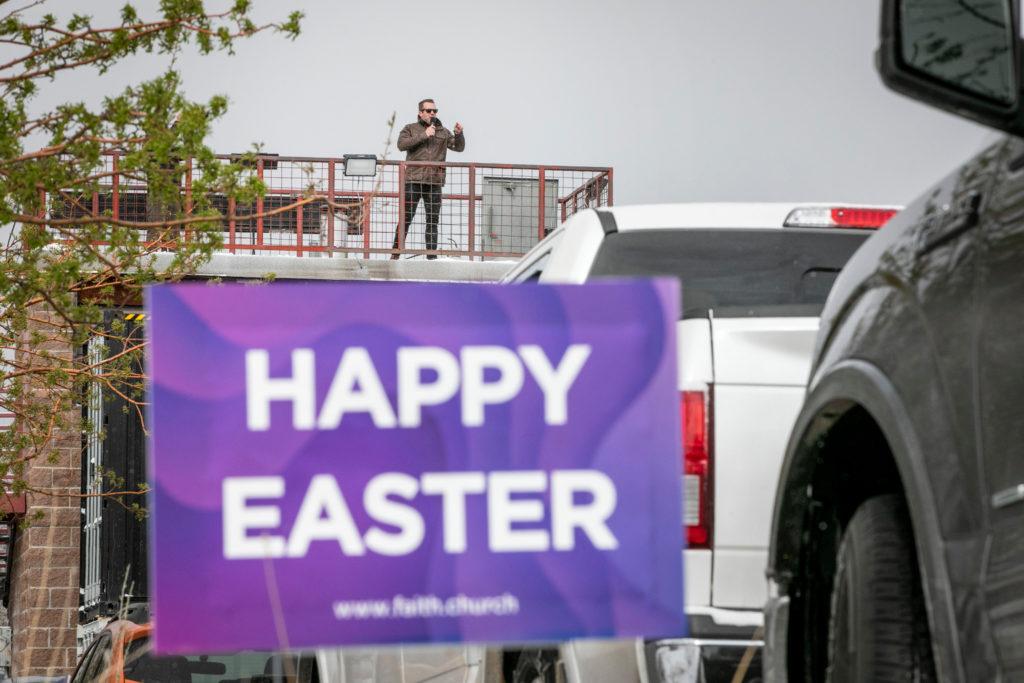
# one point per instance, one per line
(426, 140)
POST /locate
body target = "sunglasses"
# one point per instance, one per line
(429, 111)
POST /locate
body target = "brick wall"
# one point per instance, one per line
(43, 607)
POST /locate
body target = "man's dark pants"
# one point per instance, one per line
(431, 196)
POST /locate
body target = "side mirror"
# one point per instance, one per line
(959, 55)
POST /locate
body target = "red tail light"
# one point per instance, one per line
(695, 408)
(861, 218)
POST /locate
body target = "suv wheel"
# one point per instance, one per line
(878, 629)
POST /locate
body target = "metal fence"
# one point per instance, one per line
(114, 561)
(482, 210)
(92, 484)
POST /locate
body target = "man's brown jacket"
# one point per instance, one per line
(417, 146)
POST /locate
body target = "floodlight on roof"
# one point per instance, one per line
(364, 165)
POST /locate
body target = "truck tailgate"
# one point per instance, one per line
(761, 366)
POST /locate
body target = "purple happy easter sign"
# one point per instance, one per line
(362, 463)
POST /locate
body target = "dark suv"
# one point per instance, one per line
(897, 547)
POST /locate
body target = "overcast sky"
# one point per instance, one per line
(687, 100)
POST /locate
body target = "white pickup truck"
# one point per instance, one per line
(754, 279)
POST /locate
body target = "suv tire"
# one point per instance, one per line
(878, 630)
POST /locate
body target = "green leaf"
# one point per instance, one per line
(153, 127)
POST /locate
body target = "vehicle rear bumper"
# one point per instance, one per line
(714, 651)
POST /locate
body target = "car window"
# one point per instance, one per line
(533, 272)
(537, 259)
(245, 665)
(735, 272)
(83, 665)
(95, 660)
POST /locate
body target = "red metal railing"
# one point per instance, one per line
(486, 210)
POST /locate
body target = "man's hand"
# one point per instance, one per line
(458, 128)
(430, 131)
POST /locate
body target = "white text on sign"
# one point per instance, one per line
(252, 530)
(357, 388)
